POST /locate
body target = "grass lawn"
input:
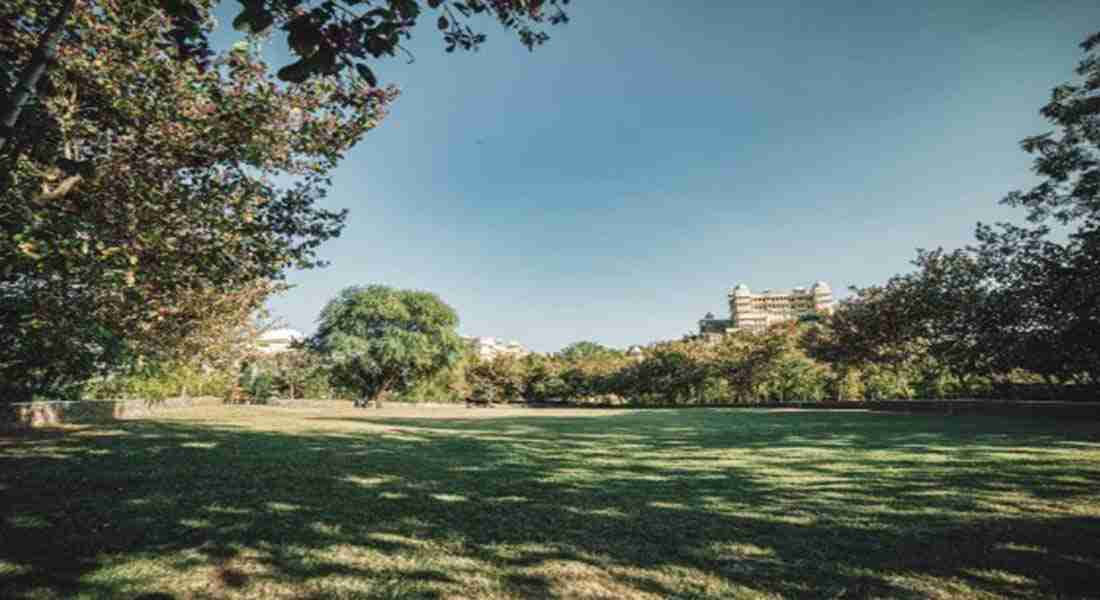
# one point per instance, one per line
(249, 502)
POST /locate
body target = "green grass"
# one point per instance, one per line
(245, 502)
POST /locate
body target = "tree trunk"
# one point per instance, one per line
(43, 55)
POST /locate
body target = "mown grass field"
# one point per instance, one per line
(249, 502)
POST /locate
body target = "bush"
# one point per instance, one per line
(157, 382)
(261, 388)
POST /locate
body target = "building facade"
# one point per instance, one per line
(755, 312)
(488, 348)
(278, 340)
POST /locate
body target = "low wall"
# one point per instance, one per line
(1076, 409)
(37, 414)
(304, 403)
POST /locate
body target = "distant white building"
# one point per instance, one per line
(278, 340)
(488, 348)
(755, 312)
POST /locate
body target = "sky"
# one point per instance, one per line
(614, 184)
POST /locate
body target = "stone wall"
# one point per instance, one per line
(304, 403)
(37, 414)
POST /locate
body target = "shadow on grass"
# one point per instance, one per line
(690, 503)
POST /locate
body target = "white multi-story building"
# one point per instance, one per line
(488, 348)
(278, 340)
(755, 312)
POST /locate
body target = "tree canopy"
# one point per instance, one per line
(328, 36)
(1022, 297)
(381, 340)
(141, 184)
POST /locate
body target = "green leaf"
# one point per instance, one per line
(366, 74)
(253, 19)
(296, 72)
(303, 35)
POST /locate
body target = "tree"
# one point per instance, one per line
(500, 378)
(1054, 280)
(579, 351)
(1020, 298)
(1070, 162)
(542, 378)
(383, 340)
(142, 185)
(1048, 316)
(293, 369)
(327, 36)
(669, 372)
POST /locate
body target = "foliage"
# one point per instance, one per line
(296, 373)
(159, 381)
(500, 379)
(586, 350)
(144, 191)
(740, 368)
(328, 36)
(1069, 162)
(449, 385)
(381, 340)
(1021, 299)
(259, 387)
(669, 372)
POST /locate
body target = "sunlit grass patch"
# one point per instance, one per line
(253, 502)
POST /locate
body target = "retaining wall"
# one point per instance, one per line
(36, 414)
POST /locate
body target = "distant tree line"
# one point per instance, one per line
(1014, 314)
(788, 363)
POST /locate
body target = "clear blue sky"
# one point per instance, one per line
(614, 184)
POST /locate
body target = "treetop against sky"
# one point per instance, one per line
(614, 183)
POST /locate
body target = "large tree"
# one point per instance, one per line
(1051, 269)
(381, 340)
(143, 172)
(144, 190)
(1023, 296)
(947, 312)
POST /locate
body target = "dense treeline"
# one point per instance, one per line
(786, 364)
(796, 362)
